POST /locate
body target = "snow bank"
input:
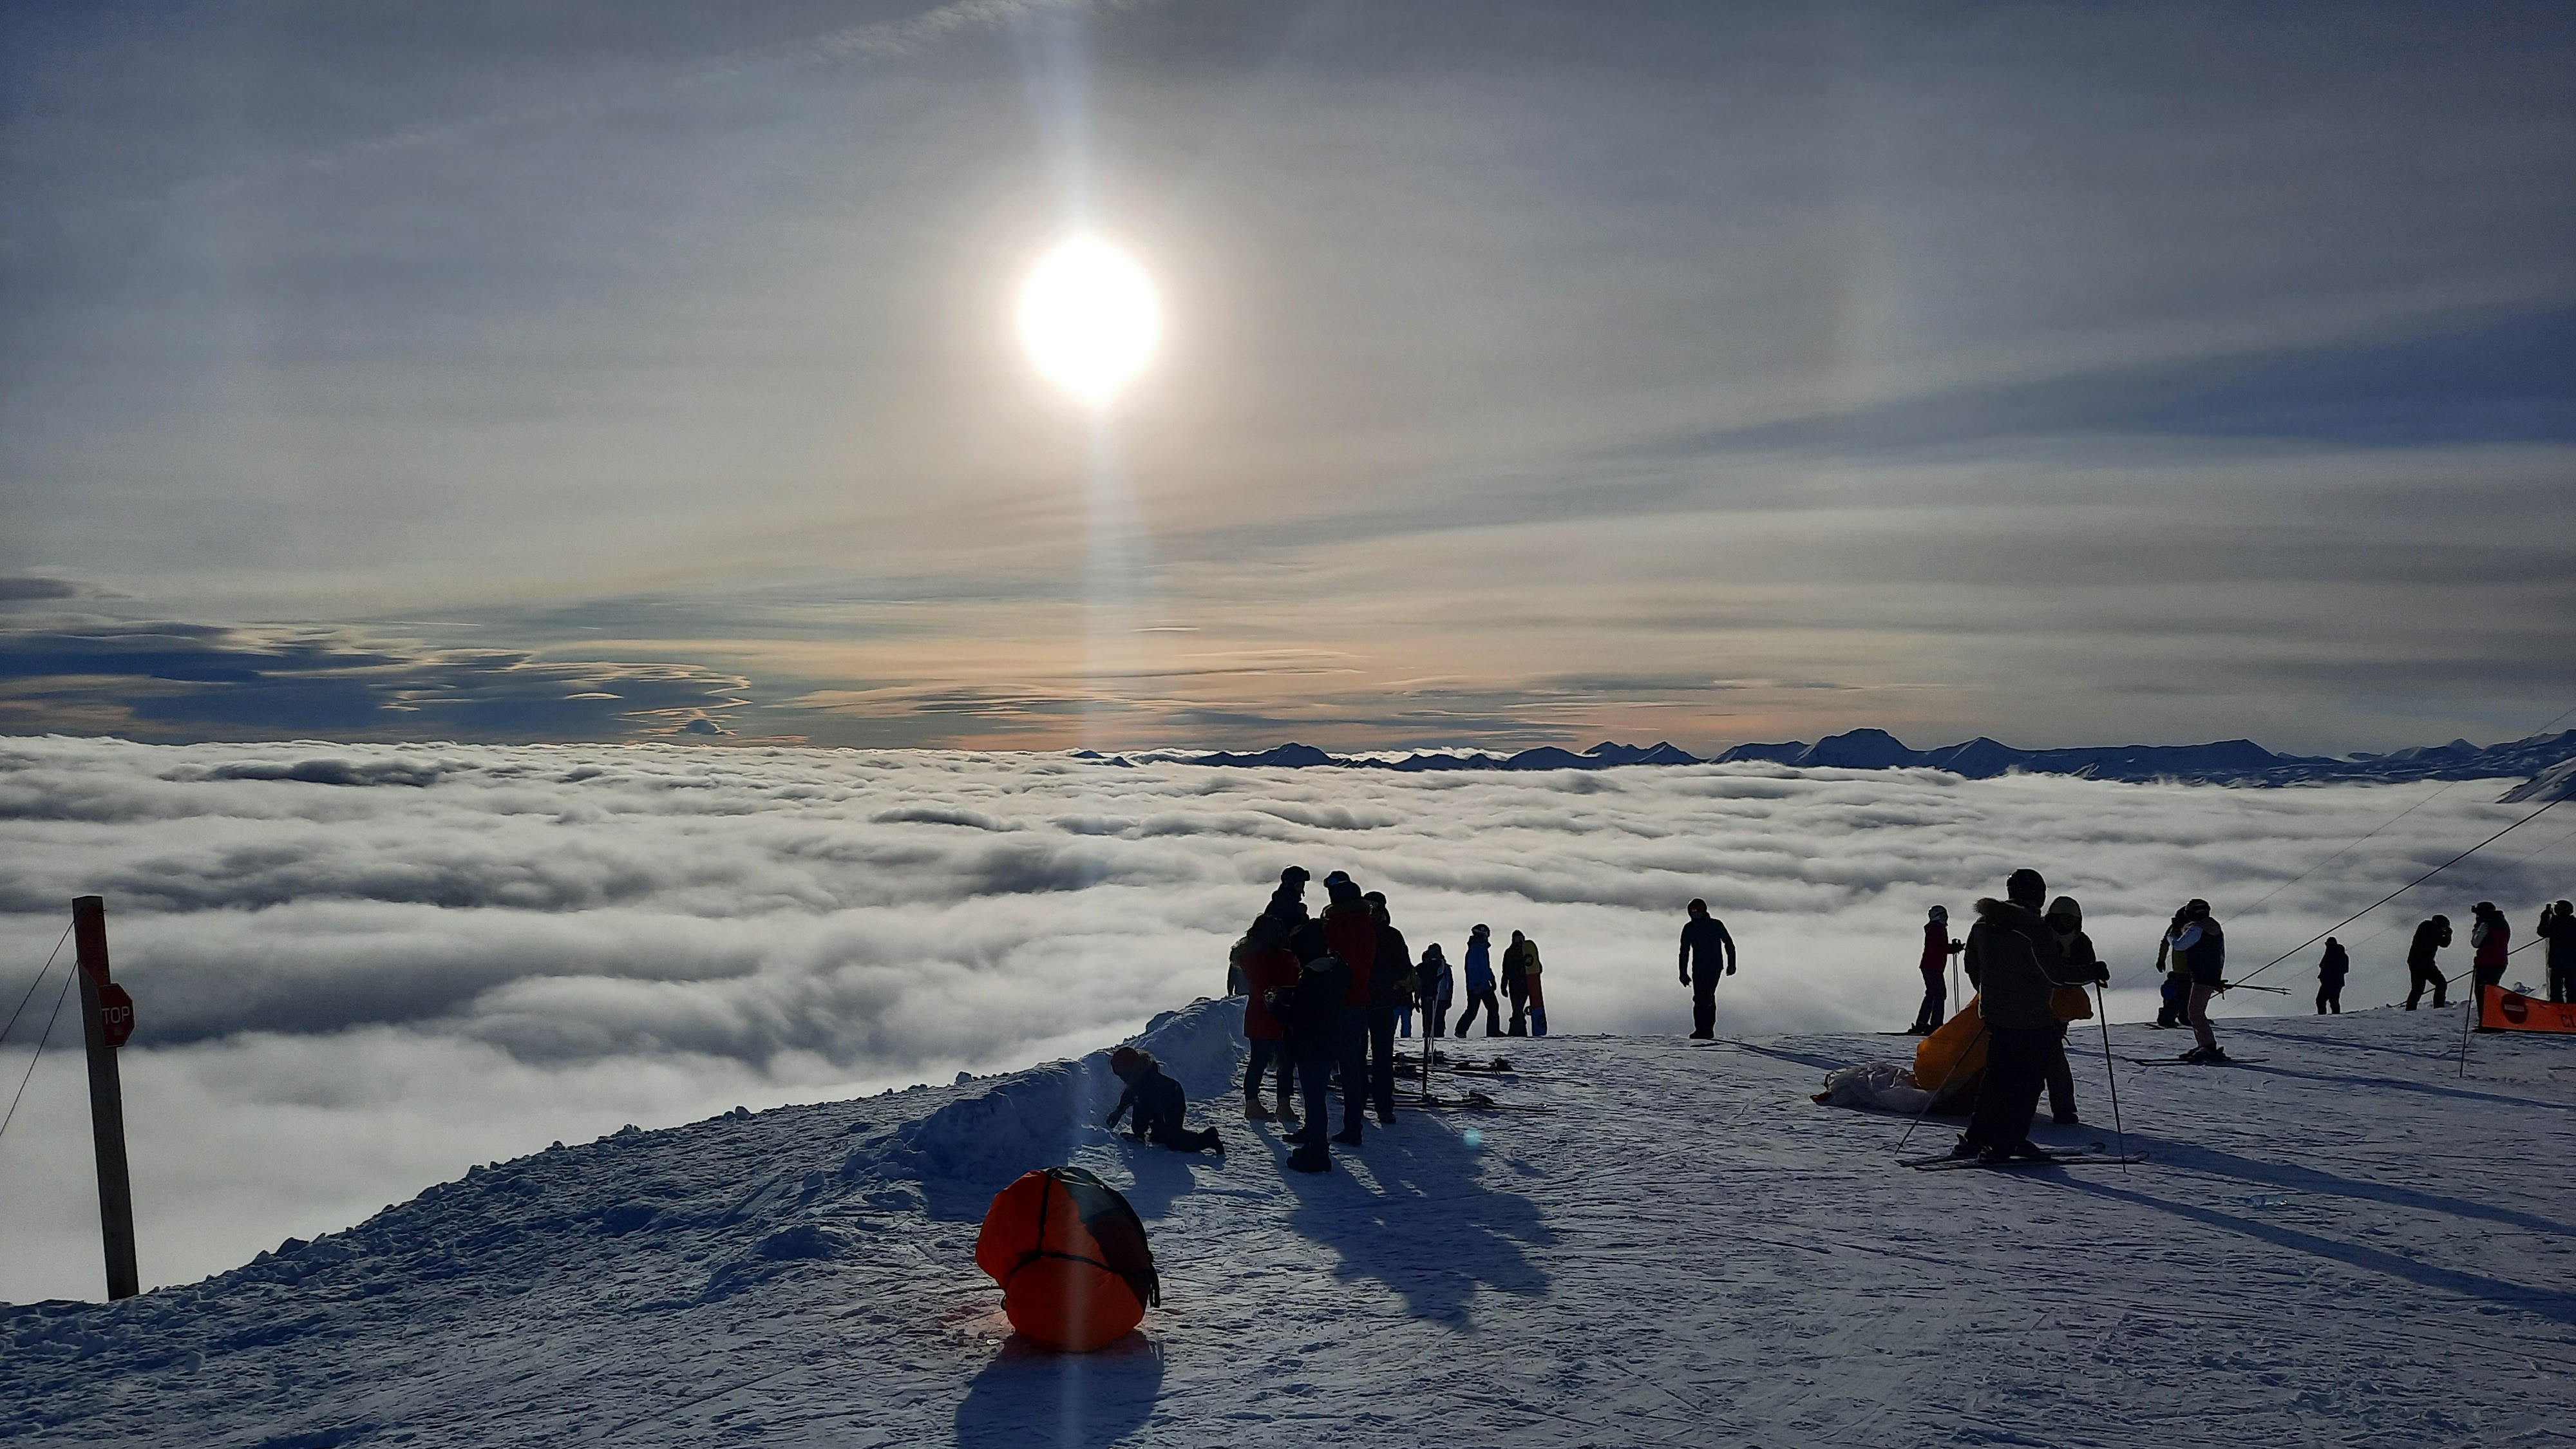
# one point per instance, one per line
(965, 1152)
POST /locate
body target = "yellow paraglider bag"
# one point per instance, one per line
(1955, 1055)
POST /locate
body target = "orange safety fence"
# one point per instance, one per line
(2502, 1010)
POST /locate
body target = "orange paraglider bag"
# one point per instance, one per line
(1070, 1255)
(1950, 1059)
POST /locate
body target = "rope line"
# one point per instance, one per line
(39, 1056)
(2401, 890)
(32, 985)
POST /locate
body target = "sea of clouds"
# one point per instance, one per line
(361, 969)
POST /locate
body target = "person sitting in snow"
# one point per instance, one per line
(2014, 957)
(1158, 1104)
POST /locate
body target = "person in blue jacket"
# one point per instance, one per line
(1480, 984)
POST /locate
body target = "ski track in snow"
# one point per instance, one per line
(2348, 1245)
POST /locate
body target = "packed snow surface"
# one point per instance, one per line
(2339, 1241)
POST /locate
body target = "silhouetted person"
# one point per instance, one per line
(2208, 947)
(1516, 982)
(1391, 980)
(1350, 928)
(1706, 946)
(2075, 953)
(2431, 935)
(2491, 940)
(1311, 1011)
(2174, 992)
(2331, 970)
(1433, 994)
(1937, 950)
(1480, 984)
(1267, 966)
(1158, 1103)
(2014, 956)
(2558, 928)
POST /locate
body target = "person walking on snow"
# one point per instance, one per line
(1433, 993)
(1530, 979)
(1480, 984)
(2075, 951)
(1516, 983)
(2015, 957)
(1937, 950)
(2332, 968)
(2208, 947)
(1706, 945)
(1268, 966)
(2558, 928)
(1158, 1104)
(1351, 931)
(1391, 983)
(2492, 940)
(2431, 935)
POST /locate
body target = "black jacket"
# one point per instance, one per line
(1705, 938)
(2429, 938)
(1387, 987)
(2016, 961)
(1311, 1010)
(2336, 965)
(1158, 1100)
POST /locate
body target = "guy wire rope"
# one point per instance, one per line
(32, 985)
(68, 978)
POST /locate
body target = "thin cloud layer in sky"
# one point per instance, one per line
(1529, 373)
(361, 969)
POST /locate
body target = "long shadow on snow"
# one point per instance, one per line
(2445, 1054)
(1429, 1230)
(2400, 1084)
(2559, 1306)
(2308, 1179)
(1027, 1395)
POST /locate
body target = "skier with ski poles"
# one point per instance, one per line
(2015, 959)
(2207, 944)
(1938, 948)
(1704, 937)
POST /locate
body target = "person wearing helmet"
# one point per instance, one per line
(1705, 944)
(1938, 948)
(2207, 944)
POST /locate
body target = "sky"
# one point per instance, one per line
(1529, 374)
(360, 970)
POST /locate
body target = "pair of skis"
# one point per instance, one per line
(2195, 1061)
(2095, 1152)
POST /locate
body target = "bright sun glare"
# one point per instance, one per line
(1089, 318)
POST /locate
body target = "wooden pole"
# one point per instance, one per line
(106, 1103)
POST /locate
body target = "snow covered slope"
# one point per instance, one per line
(2341, 1243)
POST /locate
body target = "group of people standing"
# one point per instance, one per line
(2490, 942)
(1326, 995)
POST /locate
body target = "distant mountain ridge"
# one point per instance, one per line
(2548, 760)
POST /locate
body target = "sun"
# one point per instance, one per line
(1089, 317)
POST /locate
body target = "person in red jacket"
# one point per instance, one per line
(1937, 950)
(1350, 932)
(2492, 939)
(1267, 965)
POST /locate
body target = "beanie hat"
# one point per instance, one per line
(1940, 913)
(2066, 907)
(1126, 1060)
(1341, 888)
(1294, 872)
(2026, 887)
(1698, 906)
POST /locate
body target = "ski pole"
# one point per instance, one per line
(1945, 1081)
(2242, 986)
(2102, 1009)
(2467, 1019)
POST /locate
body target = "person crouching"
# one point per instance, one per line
(1158, 1104)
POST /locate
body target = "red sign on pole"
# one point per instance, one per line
(115, 1014)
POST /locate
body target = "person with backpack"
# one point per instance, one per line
(1267, 965)
(1350, 930)
(2431, 935)
(2075, 953)
(1391, 983)
(2174, 992)
(2491, 941)
(2332, 968)
(2558, 928)
(1516, 983)
(2013, 954)
(1480, 984)
(1706, 946)
(1935, 965)
(1436, 983)
(2207, 944)
(1158, 1103)
(1310, 1010)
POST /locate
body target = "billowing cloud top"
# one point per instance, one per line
(359, 968)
